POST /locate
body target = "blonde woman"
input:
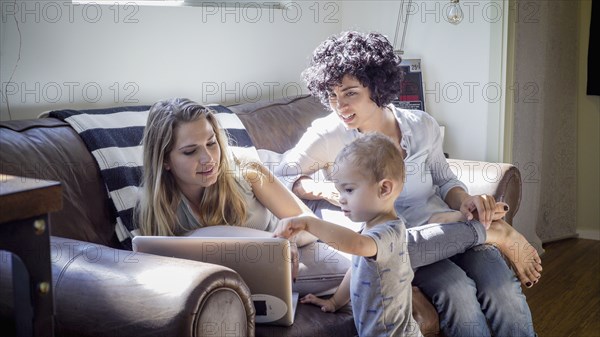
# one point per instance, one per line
(190, 181)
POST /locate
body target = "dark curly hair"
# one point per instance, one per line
(368, 57)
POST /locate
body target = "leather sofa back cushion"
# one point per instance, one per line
(277, 125)
(50, 149)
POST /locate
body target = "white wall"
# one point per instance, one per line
(458, 63)
(139, 54)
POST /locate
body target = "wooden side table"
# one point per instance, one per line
(25, 232)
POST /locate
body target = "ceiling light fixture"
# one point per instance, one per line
(454, 12)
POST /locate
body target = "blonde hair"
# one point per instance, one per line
(156, 211)
(375, 156)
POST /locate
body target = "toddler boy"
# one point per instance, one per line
(369, 178)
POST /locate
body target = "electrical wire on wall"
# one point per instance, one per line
(5, 88)
(400, 10)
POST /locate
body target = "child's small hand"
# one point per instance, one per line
(327, 305)
(289, 227)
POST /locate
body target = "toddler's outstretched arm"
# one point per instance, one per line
(336, 236)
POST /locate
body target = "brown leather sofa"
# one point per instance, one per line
(101, 290)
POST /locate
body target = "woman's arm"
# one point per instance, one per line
(308, 189)
(455, 197)
(441, 174)
(316, 150)
(484, 205)
(276, 198)
(452, 190)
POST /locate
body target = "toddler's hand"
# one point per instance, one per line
(327, 305)
(289, 227)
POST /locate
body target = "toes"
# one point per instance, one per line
(532, 254)
(527, 274)
(535, 281)
(536, 276)
(529, 280)
(532, 277)
(524, 278)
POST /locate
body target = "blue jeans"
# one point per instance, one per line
(476, 294)
(473, 289)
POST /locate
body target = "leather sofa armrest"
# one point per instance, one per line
(501, 180)
(102, 291)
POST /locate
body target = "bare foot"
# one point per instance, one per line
(524, 259)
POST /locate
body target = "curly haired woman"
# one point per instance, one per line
(472, 287)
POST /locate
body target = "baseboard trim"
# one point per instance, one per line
(559, 238)
(590, 234)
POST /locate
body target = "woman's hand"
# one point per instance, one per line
(308, 189)
(499, 212)
(483, 206)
